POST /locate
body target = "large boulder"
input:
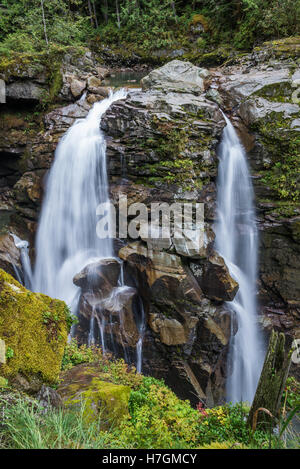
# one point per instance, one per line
(176, 76)
(103, 399)
(77, 87)
(100, 276)
(24, 91)
(171, 331)
(214, 278)
(34, 328)
(116, 313)
(28, 188)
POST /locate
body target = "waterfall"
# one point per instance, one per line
(77, 183)
(66, 238)
(236, 241)
(23, 247)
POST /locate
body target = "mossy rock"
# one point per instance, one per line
(284, 48)
(102, 399)
(35, 330)
(282, 145)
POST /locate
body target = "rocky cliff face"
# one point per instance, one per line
(161, 147)
(41, 104)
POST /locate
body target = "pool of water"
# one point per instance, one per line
(128, 79)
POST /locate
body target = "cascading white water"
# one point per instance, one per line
(77, 183)
(236, 241)
(141, 328)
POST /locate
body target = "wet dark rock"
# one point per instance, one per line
(100, 276)
(9, 254)
(179, 318)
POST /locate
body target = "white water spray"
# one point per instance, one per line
(236, 241)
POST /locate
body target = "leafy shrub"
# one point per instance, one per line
(158, 419)
(228, 423)
(223, 423)
(291, 395)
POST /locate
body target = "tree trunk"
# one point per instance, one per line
(44, 22)
(118, 14)
(90, 12)
(266, 403)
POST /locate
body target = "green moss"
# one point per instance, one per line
(277, 92)
(46, 63)
(284, 48)
(217, 56)
(37, 346)
(171, 153)
(282, 174)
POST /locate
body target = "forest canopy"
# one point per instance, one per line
(35, 25)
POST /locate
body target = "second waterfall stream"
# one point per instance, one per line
(237, 243)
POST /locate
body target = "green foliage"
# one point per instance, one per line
(75, 355)
(145, 26)
(223, 445)
(283, 144)
(291, 396)
(227, 423)
(250, 21)
(22, 28)
(159, 419)
(151, 26)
